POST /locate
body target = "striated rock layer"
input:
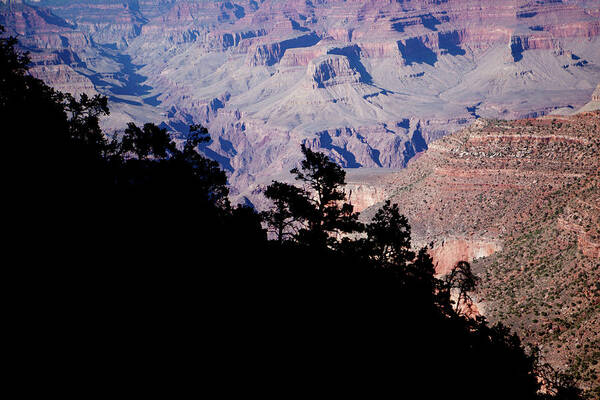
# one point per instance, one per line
(370, 83)
(525, 195)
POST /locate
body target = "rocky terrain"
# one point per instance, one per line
(371, 83)
(521, 199)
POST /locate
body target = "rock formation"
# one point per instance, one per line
(330, 70)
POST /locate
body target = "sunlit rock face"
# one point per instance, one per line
(370, 83)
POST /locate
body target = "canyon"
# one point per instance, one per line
(370, 83)
(477, 117)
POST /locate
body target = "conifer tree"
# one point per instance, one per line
(318, 207)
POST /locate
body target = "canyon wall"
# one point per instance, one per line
(521, 201)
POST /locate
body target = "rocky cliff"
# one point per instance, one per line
(525, 196)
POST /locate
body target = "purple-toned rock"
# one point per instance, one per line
(370, 83)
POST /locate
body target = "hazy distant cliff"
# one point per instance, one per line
(370, 83)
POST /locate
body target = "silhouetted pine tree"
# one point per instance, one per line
(318, 206)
